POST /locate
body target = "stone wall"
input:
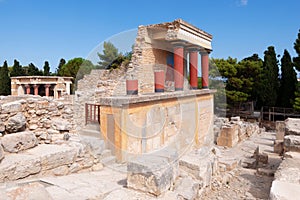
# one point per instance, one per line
(38, 137)
(43, 116)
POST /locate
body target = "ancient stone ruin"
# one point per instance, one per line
(144, 132)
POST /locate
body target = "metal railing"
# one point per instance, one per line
(92, 113)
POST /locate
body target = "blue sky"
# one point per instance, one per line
(39, 30)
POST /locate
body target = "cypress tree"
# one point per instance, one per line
(46, 69)
(4, 80)
(17, 69)
(288, 81)
(270, 83)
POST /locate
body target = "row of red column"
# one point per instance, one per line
(36, 89)
(193, 67)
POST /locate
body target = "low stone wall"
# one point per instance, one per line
(38, 138)
(43, 116)
(229, 133)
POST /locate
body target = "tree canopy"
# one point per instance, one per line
(4, 80)
(17, 69)
(288, 81)
(46, 69)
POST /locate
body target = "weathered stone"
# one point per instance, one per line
(11, 107)
(32, 191)
(228, 136)
(95, 145)
(198, 166)
(53, 156)
(280, 130)
(2, 126)
(292, 126)
(16, 166)
(1, 153)
(60, 171)
(187, 189)
(278, 146)
(16, 142)
(151, 174)
(33, 126)
(41, 112)
(60, 105)
(61, 125)
(281, 190)
(236, 119)
(292, 143)
(16, 123)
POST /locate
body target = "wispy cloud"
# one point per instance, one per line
(242, 2)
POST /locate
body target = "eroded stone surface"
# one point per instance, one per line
(151, 174)
(292, 143)
(16, 142)
(16, 123)
(292, 126)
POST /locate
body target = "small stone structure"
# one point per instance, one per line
(229, 133)
(55, 86)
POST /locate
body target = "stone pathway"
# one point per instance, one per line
(241, 182)
(235, 182)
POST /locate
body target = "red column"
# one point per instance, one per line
(178, 67)
(27, 89)
(47, 90)
(194, 69)
(205, 68)
(36, 89)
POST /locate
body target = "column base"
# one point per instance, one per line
(204, 87)
(194, 88)
(178, 89)
(131, 92)
(159, 90)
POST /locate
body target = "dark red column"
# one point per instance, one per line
(193, 69)
(205, 69)
(47, 91)
(178, 67)
(27, 89)
(36, 89)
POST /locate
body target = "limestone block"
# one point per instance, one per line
(292, 126)
(151, 174)
(280, 129)
(16, 166)
(61, 125)
(32, 191)
(228, 136)
(235, 119)
(281, 190)
(16, 142)
(95, 145)
(16, 123)
(198, 166)
(1, 153)
(53, 156)
(11, 107)
(291, 143)
(278, 146)
(2, 126)
(187, 189)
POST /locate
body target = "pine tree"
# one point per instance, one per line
(270, 83)
(46, 69)
(297, 49)
(62, 62)
(17, 69)
(288, 81)
(4, 80)
(111, 58)
(33, 70)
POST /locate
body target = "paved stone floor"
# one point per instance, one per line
(242, 183)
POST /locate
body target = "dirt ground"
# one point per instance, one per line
(247, 183)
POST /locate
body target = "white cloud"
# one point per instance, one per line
(243, 2)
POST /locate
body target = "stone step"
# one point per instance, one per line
(110, 160)
(90, 132)
(106, 153)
